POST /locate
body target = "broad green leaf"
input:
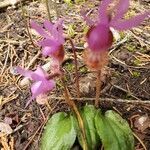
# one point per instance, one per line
(88, 113)
(119, 124)
(59, 133)
(114, 131)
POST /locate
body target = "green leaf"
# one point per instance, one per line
(59, 133)
(68, 2)
(122, 125)
(114, 131)
(88, 113)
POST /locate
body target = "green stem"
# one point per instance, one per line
(75, 109)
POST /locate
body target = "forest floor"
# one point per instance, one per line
(125, 81)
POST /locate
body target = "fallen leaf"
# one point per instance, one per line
(142, 122)
(8, 120)
(5, 128)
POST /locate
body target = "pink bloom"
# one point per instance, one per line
(99, 36)
(41, 84)
(53, 41)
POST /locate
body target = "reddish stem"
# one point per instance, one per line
(76, 67)
(98, 88)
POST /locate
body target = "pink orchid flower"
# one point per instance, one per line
(42, 85)
(53, 41)
(99, 36)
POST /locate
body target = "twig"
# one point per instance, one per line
(48, 10)
(6, 59)
(33, 136)
(119, 43)
(124, 90)
(141, 142)
(142, 102)
(124, 64)
(33, 59)
(6, 100)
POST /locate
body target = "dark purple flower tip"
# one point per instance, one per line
(99, 38)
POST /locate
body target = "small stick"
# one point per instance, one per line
(98, 88)
(76, 67)
(141, 142)
(133, 101)
(31, 139)
(48, 10)
(48, 106)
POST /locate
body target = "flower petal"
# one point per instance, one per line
(50, 28)
(42, 87)
(24, 72)
(39, 74)
(130, 23)
(99, 38)
(121, 9)
(59, 27)
(49, 51)
(36, 89)
(103, 16)
(39, 29)
(50, 84)
(48, 25)
(47, 42)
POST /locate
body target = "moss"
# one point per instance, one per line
(137, 62)
(83, 70)
(136, 74)
(131, 48)
(69, 67)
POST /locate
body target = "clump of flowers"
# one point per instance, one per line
(41, 84)
(52, 45)
(100, 38)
